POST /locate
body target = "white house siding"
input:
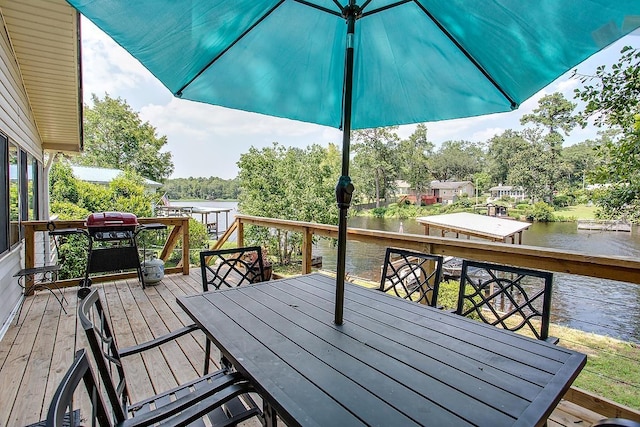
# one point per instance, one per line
(16, 121)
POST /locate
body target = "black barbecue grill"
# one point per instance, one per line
(113, 245)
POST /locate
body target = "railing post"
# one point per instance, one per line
(307, 247)
(185, 246)
(240, 233)
(29, 254)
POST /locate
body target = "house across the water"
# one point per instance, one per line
(450, 191)
(516, 193)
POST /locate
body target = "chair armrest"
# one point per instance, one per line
(194, 404)
(158, 341)
(553, 340)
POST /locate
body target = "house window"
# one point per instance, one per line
(33, 170)
(14, 195)
(18, 192)
(4, 194)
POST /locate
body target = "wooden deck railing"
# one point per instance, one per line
(178, 228)
(620, 268)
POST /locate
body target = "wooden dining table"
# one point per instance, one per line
(392, 362)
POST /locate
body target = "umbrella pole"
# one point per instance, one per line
(344, 189)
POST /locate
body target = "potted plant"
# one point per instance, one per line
(267, 267)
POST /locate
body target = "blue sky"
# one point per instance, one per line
(207, 140)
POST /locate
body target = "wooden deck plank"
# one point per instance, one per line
(183, 366)
(37, 371)
(123, 331)
(14, 372)
(140, 319)
(181, 285)
(169, 363)
(153, 311)
(65, 346)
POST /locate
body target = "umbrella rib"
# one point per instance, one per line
(514, 104)
(324, 9)
(240, 37)
(381, 9)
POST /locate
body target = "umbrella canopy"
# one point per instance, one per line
(353, 66)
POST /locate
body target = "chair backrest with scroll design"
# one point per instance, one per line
(231, 267)
(510, 297)
(412, 275)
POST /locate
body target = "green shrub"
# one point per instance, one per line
(448, 297)
(73, 256)
(541, 212)
(562, 201)
(448, 294)
(379, 212)
(68, 210)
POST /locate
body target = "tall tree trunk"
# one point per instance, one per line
(377, 189)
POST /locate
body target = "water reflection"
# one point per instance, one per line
(594, 305)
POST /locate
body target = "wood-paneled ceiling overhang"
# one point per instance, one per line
(45, 37)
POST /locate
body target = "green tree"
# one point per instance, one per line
(288, 183)
(375, 162)
(582, 160)
(482, 182)
(116, 137)
(457, 160)
(212, 188)
(529, 169)
(414, 154)
(503, 150)
(553, 115)
(612, 98)
(63, 186)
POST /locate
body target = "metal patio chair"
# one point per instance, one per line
(93, 410)
(510, 297)
(412, 275)
(220, 396)
(231, 267)
(228, 268)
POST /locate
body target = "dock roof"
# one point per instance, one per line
(483, 226)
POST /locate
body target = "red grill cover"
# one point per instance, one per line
(112, 221)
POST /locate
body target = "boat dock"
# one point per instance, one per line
(213, 225)
(474, 225)
(604, 225)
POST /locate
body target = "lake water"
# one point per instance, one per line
(589, 304)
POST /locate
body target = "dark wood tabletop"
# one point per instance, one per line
(391, 363)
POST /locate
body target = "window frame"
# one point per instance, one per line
(4, 194)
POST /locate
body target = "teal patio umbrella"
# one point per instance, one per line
(361, 64)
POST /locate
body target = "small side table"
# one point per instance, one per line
(48, 275)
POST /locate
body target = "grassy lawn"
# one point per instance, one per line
(576, 212)
(612, 365)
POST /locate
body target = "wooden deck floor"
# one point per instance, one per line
(36, 352)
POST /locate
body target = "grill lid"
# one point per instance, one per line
(105, 221)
